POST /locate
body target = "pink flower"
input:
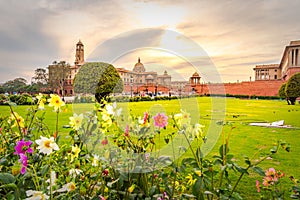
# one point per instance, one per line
(258, 186)
(101, 197)
(267, 181)
(23, 147)
(126, 133)
(146, 115)
(271, 172)
(23, 160)
(104, 141)
(160, 120)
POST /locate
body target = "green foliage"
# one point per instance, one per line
(281, 91)
(58, 73)
(16, 85)
(98, 78)
(292, 89)
(21, 99)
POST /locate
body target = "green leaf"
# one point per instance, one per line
(6, 178)
(258, 170)
(45, 169)
(9, 186)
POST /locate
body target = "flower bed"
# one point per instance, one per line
(113, 157)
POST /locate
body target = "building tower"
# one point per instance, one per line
(79, 56)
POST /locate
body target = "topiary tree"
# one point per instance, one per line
(98, 78)
(292, 88)
(282, 93)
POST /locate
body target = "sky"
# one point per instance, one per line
(226, 38)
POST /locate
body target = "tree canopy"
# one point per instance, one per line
(292, 88)
(58, 73)
(98, 78)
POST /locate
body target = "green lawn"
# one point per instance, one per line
(245, 139)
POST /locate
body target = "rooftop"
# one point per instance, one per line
(268, 66)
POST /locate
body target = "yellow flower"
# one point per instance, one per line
(198, 132)
(76, 121)
(17, 119)
(131, 188)
(107, 119)
(55, 102)
(75, 152)
(191, 180)
(41, 101)
(198, 172)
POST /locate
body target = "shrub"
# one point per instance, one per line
(292, 88)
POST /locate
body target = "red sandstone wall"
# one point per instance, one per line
(257, 88)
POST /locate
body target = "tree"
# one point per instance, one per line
(58, 73)
(282, 93)
(98, 78)
(292, 88)
(16, 85)
(40, 76)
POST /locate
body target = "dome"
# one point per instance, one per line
(149, 77)
(195, 75)
(139, 67)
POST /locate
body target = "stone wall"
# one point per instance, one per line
(257, 88)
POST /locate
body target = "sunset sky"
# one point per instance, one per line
(167, 35)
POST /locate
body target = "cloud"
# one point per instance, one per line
(235, 34)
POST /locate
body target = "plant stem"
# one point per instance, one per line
(56, 127)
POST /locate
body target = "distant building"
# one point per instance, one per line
(289, 65)
(62, 74)
(267, 72)
(139, 77)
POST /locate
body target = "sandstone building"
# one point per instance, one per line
(268, 78)
(289, 65)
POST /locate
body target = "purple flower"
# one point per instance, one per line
(23, 147)
(24, 161)
(160, 120)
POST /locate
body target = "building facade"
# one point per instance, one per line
(289, 65)
(62, 74)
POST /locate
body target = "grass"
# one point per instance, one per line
(245, 140)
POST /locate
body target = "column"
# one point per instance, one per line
(297, 57)
(290, 58)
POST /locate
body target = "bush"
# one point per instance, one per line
(292, 88)
(21, 99)
(3, 99)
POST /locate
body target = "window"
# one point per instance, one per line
(275, 70)
(275, 77)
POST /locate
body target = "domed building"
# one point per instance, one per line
(139, 77)
(139, 67)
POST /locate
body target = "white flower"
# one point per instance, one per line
(36, 195)
(95, 161)
(46, 145)
(110, 109)
(198, 130)
(69, 187)
(74, 172)
(52, 179)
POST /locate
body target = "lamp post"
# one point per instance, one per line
(156, 85)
